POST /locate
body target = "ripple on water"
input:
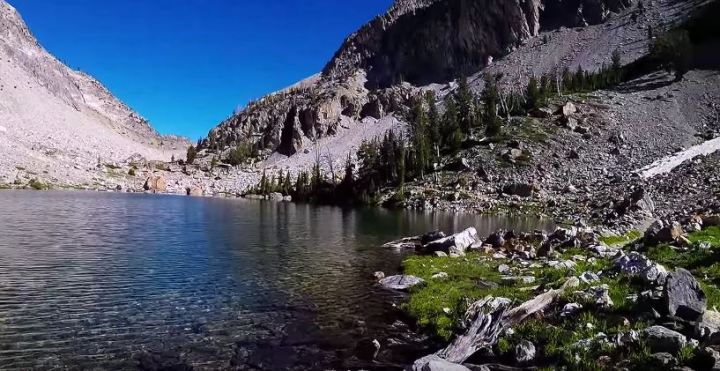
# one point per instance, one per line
(111, 280)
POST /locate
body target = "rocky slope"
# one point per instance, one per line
(416, 41)
(57, 124)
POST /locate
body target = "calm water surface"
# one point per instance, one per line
(116, 281)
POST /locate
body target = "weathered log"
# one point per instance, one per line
(488, 318)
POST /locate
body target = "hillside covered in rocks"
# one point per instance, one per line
(60, 126)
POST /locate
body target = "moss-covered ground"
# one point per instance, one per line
(438, 305)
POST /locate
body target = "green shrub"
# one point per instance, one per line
(38, 185)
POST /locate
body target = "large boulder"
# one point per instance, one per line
(400, 282)
(568, 109)
(155, 184)
(661, 339)
(685, 298)
(457, 243)
(435, 363)
(194, 191)
(662, 232)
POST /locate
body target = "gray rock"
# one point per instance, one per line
(455, 244)
(568, 109)
(275, 196)
(441, 254)
(367, 349)
(570, 309)
(379, 275)
(435, 363)
(496, 240)
(524, 352)
(685, 298)
(661, 339)
(713, 357)
(661, 232)
(503, 269)
(637, 265)
(589, 277)
(662, 359)
(439, 276)
(400, 282)
(709, 325)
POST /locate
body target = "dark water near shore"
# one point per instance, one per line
(115, 281)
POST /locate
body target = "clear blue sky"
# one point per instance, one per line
(186, 64)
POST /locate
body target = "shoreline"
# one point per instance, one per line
(589, 283)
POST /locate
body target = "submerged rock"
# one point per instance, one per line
(400, 282)
(685, 298)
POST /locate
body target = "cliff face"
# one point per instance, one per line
(416, 41)
(435, 41)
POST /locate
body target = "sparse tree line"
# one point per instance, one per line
(431, 135)
(396, 157)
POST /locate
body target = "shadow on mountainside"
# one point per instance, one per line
(652, 81)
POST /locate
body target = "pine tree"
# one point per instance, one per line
(419, 138)
(532, 94)
(491, 98)
(434, 123)
(263, 184)
(579, 79)
(191, 155)
(465, 101)
(450, 122)
(567, 81)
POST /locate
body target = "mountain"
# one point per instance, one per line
(415, 41)
(58, 124)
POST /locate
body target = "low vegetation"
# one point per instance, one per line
(38, 185)
(452, 284)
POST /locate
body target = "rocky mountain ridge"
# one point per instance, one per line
(419, 42)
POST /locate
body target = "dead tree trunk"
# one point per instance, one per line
(490, 317)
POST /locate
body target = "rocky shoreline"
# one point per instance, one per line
(571, 299)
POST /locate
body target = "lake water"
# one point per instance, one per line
(118, 281)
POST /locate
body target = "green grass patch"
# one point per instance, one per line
(702, 261)
(624, 239)
(439, 304)
(710, 235)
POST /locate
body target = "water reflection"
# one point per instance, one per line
(91, 280)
